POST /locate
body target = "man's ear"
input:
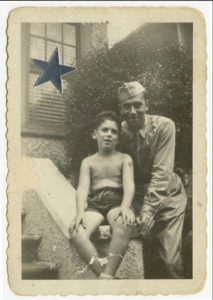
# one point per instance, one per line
(120, 109)
(147, 105)
(94, 135)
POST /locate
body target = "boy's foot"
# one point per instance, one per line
(105, 276)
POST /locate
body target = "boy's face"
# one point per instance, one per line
(107, 135)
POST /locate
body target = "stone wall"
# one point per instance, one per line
(43, 147)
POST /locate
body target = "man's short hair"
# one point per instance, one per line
(106, 115)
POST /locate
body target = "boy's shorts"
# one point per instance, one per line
(103, 200)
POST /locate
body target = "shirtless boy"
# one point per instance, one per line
(106, 184)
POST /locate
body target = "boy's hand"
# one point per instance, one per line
(79, 219)
(127, 215)
(145, 222)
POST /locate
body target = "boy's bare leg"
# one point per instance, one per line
(82, 243)
(119, 242)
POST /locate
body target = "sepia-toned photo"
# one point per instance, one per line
(106, 151)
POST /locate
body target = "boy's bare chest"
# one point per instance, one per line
(107, 168)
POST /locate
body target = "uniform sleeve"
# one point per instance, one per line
(162, 168)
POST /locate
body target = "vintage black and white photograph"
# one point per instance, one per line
(105, 136)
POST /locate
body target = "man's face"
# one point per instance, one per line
(133, 111)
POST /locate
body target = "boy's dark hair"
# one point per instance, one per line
(106, 115)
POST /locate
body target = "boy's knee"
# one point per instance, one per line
(121, 230)
(73, 235)
(76, 235)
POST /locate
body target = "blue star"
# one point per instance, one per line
(52, 71)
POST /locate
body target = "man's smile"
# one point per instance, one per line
(107, 141)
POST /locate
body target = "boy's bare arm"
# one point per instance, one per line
(83, 186)
(128, 192)
(81, 196)
(128, 182)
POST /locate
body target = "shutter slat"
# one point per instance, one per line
(47, 118)
(49, 115)
(44, 113)
(51, 105)
(52, 101)
(48, 109)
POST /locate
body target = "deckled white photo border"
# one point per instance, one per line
(208, 133)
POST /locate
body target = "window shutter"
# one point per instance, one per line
(45, 106)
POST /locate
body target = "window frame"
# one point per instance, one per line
(27, 126)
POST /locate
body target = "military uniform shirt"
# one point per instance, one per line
(152, 149)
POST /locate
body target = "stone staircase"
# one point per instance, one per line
(32, 266)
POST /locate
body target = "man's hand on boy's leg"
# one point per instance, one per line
(79, 219)
(127, 215)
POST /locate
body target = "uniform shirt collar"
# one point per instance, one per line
(141, 131)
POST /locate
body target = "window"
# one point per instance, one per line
(45, 106)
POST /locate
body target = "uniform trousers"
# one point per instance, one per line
(162, 249)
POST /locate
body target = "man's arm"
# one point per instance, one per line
(162, 170)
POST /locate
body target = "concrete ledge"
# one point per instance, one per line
(56, 193)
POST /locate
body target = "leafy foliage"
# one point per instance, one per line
(158, 63)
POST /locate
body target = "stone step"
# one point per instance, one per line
(29, 244)
(39, 270)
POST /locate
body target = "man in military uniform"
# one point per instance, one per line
(160, 198)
